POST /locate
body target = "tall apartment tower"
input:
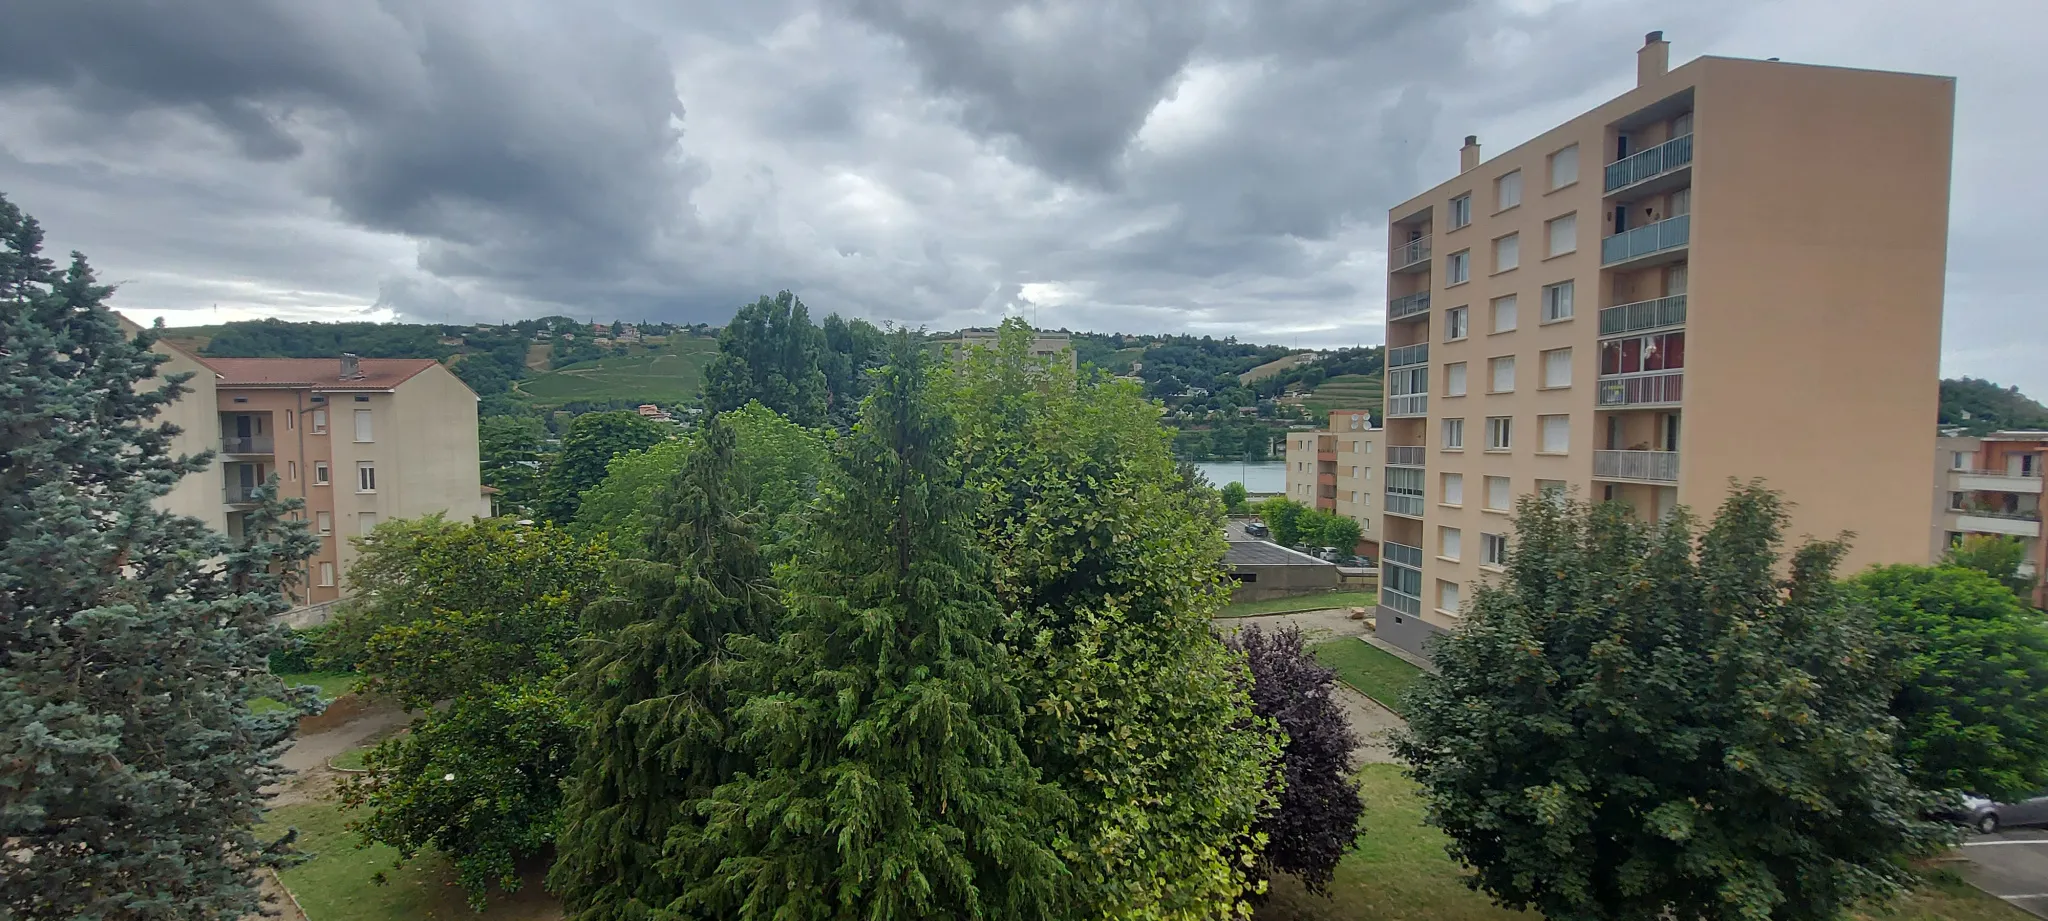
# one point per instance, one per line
(1733, 270)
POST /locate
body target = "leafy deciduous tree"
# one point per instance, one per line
(1997, 556)
(770, 352)
(1317, 821)
(1233, 494)
(593, 440)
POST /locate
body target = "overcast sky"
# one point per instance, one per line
(1206, 166)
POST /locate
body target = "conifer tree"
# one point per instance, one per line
(888, 781)
(652, 685)
(131, 639)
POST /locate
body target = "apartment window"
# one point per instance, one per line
(1507, 252)
(1553, 491)
(1556, 432)
(1461, 211)
(1365, 524)
(1497, 497)
(1564, 167)
(1681, 202)
(1557, 302)
(1507, 191)
(1454, 489)
(1447, 596)
(1660, 352)
(1459, 268)
(366, 476)
(1562, 234)
(319, 422)
(1505, 314)
(1959, 460)
(292, 468)
(1354, 496)
(366, 522)
(1454, 379)
(323, 522)
(1500, 433)
(320, 473)
(1681, 125)
(1557, 368)
(291, 422)
(1450, 543)
(1454, 435)
(1457, 323)
(327, 575)
(1354, 471)
(1955, 501)
(1493, 549)
(363, 429)
(1503, 379)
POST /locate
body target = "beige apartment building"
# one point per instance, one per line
(1734, 269)
(361, 441)
(1332, 469)
(1992, 485)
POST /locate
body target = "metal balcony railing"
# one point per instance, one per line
(1646, 240)
(2017, 515)
(1407, 404)
(1409, 255)
(1655, 313)
(1642, 388)
(1417, 354)
(1649, 164)
(2034, 473)
(1404, 455)
(238, 495)
(1404, 504)
(246, 444)
(1400, 602)
(1408, 305)
(1661, 466)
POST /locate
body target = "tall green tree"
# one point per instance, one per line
(1105, 559)
(1233, 495)
(888, 782)
(587, 451)
(771, 352)
(469, 626)
(131, 640)
(1283, 519)
(853, 348)
(1972, 702)
(653, 686)
(1634, 724)
(511, 451)
(1997, 556)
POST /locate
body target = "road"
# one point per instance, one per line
(2012, 865)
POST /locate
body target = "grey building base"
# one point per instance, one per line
(1407, 631)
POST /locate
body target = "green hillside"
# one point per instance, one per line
(665, 374)
(1345, 391)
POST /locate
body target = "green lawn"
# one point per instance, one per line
(351, 760)
(332, 685)
(1373, 671)
(1300, 603)
(338, 883)
(671, 373)
(1400, 873)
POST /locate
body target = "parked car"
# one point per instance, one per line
(1987, 815)
(1256, 529)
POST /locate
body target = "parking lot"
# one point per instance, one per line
(2012, 865)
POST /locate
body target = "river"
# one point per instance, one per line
(1264, 477)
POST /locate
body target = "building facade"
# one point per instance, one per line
(1044, 344)
(1332, 469)
(1733, 270)
(1992, 485)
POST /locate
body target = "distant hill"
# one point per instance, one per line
(666, 374)
(1980, 406)
(1346, 391)
(1277, 366)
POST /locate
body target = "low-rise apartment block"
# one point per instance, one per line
(1991, 484)
(1733, 270)
(1332, 469)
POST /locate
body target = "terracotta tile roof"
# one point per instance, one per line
(317, 373)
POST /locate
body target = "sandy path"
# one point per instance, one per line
(307, 757)
(1367, 717)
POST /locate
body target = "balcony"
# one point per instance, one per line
(1408, 305)
(1405, 455)
(247, 444)
(240, 495)
(1327, 479)
(1417, 354)
(1644, 388)
(1406, 405)
(2025, 481)
(1663, 160)
(1661, 240)
(1399, 602)
(1650, 466)
(1401, 578)
(1412, 256)
(1657, 313)
(2012, 524)
(1401, 554)
(1404, 504)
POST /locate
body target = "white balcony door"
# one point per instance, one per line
(1674, 280)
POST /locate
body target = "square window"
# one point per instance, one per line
(366, 476)
(1562, 234)
(1459, 268)
(1454, 489)
(1507, 252)
(1556, 432)
(1497, 495)
(1507, 191)
(1450, 543)
(1461, 211)
(1447, 596)
(1500, 433)
(1503, 379)
(1454, 379)
(1505, 314)
(1493, 549)
(1557, 302)
(1564, 167)
(1457, 323)
(1454, 434)
(1557, 368)
(320, 473)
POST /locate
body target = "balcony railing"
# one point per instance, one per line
(2034, 473)
(1656, 313)
(1400, 602)
(1663, 158)
(1417, 354)
(239, 495)
(1408, 305)
(1646, 240)
(1407, 404)
(2019, 515)
(1411, 255)
(1401, 554)
(1661, 466)
(1647, 387)
(1405, 455)
(1403, 504)
(246, 444)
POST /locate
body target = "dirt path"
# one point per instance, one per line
(1315, 625)
(307, 757)
(1367, 717)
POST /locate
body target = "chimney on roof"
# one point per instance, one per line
(351, 367)
(1653, 60)
(1468, 156)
